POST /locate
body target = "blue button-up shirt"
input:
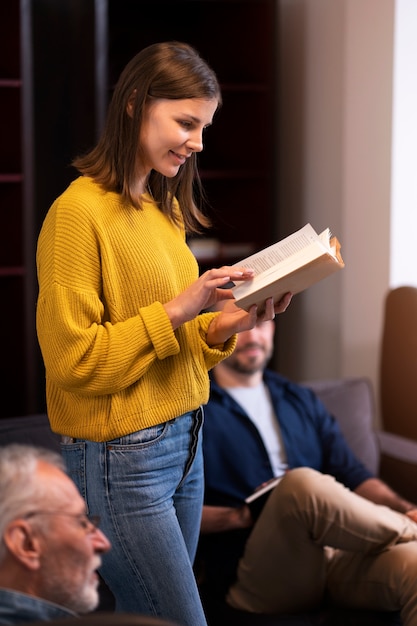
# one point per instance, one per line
(235, 457)
(21, 608)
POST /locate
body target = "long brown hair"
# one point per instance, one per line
(172, 70)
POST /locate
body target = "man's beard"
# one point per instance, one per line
(248, 365)
(81, 601)
(66, 593)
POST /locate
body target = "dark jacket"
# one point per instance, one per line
(236, 461)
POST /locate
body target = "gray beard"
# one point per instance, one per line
(79, 601)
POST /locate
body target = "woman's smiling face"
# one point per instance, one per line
(172, 130)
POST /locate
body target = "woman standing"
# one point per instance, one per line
(125, 345)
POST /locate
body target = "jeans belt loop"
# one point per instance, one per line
(66, 440)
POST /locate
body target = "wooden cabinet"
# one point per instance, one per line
(12, 262)
(73, 52)
(47, 115)
(238, 165)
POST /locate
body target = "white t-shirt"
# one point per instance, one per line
(257, 404)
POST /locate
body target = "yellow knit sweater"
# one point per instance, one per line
(113, 363)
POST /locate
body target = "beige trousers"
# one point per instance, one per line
(316, 538)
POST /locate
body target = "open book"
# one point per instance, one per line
(292, 264)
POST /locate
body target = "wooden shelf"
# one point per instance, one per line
(12, 271)
(236, 174)
(70, 62)
(11, 178)
(238, 163)
(10, 83)
(244, 87)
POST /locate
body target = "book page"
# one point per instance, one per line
(282, 258)
(286, 248)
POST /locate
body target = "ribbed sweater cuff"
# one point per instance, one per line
(160, 330)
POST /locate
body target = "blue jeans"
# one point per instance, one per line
(147, 488)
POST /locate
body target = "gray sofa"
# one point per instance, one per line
(352, 402)
(31, 429)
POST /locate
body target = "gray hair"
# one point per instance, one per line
(19, 489)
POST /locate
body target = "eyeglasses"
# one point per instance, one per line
(89, 523)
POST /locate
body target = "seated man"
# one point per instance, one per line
(329, 528)
(50, 548)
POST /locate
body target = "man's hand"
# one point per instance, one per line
(217, 519)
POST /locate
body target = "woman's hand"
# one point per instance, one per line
(233, 320)
(204, 293)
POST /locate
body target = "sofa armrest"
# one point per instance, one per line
(398, 447)
(398, 463)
